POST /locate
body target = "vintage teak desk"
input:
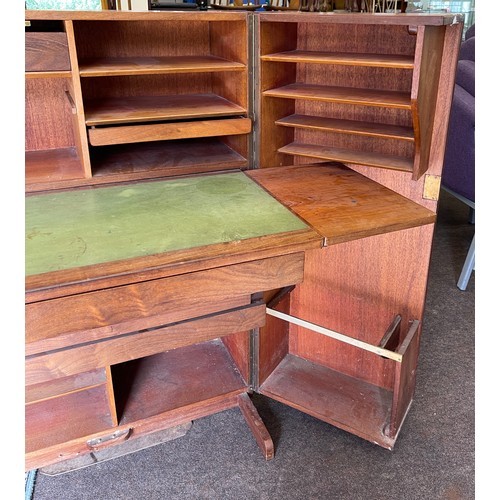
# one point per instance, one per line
(220, 203)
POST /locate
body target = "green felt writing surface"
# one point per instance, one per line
(90, 226)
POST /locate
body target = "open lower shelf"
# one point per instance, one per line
(52, 165)
(110, 66)
(355, 127)
(347, 95)
(58, 420)
(136, 109)
(346, 402)
(179, 378)
(163, 158)
(345, 58)
(349, 156)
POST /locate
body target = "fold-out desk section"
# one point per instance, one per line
(140, 300)
(361, 380)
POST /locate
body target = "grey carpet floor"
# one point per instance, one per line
(433, 457)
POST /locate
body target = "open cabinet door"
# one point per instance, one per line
(343, 346)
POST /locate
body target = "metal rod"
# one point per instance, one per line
(335, 335)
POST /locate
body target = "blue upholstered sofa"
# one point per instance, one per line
(459, 162)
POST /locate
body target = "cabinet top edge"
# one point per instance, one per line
(113, 15)
(411, 19)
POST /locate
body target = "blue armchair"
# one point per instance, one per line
(458, 177)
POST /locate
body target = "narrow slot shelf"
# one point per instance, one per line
(355, 127)
(114, 66)
(156, 159)
(347, 95)
(344, 58)
(183, 377)
(139, 109)
(349, 156)
(51, 166)
(338, 399)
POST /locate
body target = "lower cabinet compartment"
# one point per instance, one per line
(358, 406)
(180, 379)
(137, 398)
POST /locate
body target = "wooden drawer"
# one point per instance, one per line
(64, 322)
(102, 136)
(92, 355)
(46, 52)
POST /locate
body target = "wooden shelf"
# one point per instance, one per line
(50, 166)
(345, 58)
(346, 402)
(153, 108)
(339, 203)
(47, 74)
(347, 95)
(47, 420)
(182, 376)
(349, 156)
(157, 159)
(113, 66)
(356, 127)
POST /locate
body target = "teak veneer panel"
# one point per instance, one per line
(156, 65)
(339, 203)
(349, 95)
(150, 108)
(344, 58)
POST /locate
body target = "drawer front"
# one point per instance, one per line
(93, 316)
(102, 136)
(94, 355)
(46, 52)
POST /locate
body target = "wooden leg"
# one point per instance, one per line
(256, 426)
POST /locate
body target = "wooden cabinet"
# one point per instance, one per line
(227, 202)
(148, 95)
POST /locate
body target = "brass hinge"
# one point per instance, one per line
(432, 184)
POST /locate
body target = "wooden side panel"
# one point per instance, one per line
(48, 117)
(357, 288)
(274, 37)
(273, 340)
(46, 52)
(238, 345)
(404, 379)
(428, 56)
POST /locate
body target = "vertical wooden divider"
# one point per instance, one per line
(76, 94)
(110, 392)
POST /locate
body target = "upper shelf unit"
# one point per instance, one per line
(150, 92)
(349, 89)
